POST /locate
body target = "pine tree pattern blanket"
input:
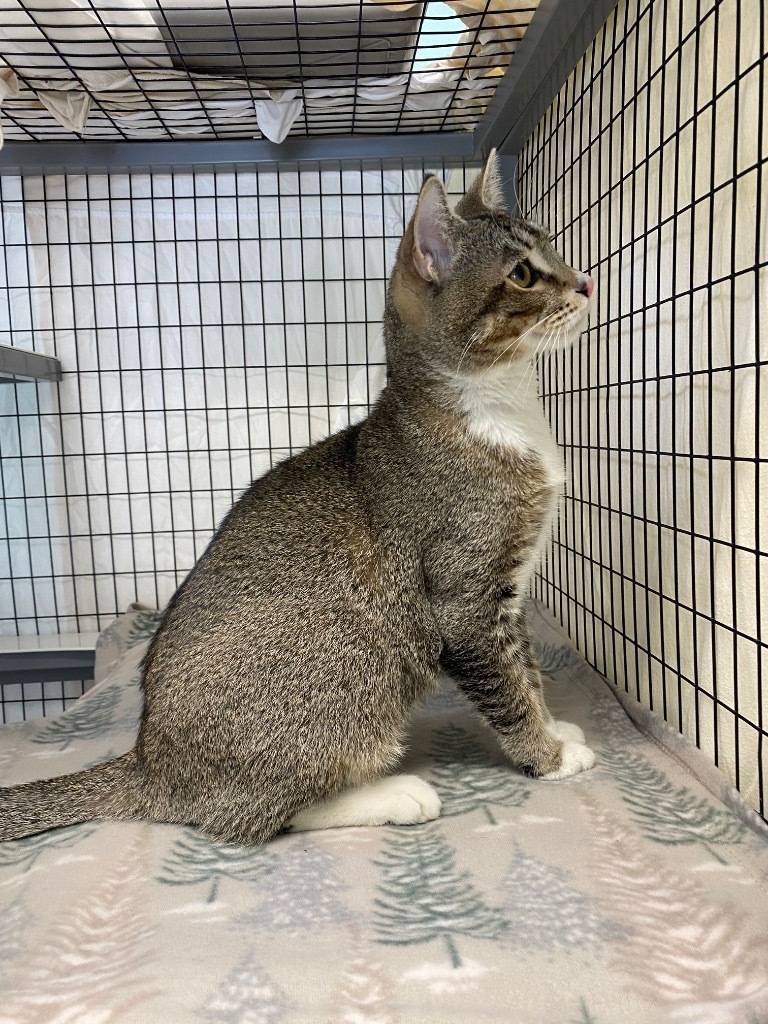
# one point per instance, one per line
(635, 893)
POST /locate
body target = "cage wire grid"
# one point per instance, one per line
(21, 702)
(650, 167)
(226, 69)
(208, 326)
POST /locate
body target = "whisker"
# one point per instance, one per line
(515, 194)
(552, 341)
(473, 338)
(530, 372)
(516, 341)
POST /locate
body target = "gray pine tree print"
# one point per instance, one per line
(303, 893)
(668, 814)
(143, 627)
(26, 851)
(112, 634)
(247, 996)
(126, 632)
(88, 718)
(466, 778)
(424, 897)
(101, 759)
(447, 698)
(195, 860)
(94, 961)
(614, 725)
(683, 947)
(363, 998)
(546, 912)
(585, 1017)
(554, 657)
(13, 922)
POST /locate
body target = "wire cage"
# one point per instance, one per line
(22, 702)
(203, 241)
(650, 168)
(242, 69)
(209, 326)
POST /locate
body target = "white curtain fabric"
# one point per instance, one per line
(704, 575)
(9, 89)
(57, 36)
(122, 65)
(208, 325)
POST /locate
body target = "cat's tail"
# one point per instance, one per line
(108, 790)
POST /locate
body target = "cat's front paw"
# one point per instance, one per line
(566, 732)
(576, 758)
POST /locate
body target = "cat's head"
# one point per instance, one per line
(477, 288)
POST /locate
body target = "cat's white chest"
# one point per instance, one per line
(498, 415)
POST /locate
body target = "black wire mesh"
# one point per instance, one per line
(212, 323)
(651, 168)
(21, 702)
(208, 325)
(231, 69)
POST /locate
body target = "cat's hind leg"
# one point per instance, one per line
(394, 800)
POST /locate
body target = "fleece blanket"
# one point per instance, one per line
(635, 893)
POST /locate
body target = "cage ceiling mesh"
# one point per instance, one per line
(238, 69)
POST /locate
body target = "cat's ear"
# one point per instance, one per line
(424, 257)
(486, 193)
(432, 250)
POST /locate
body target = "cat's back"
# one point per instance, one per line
(298, 555)
(312, 495)
(302, 515)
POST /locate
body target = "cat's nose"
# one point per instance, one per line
(585, 285)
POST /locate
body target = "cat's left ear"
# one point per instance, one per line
(432, 247)
(486, 193)
(425, 255)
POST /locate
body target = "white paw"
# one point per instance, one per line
(576, 758)
(409, 800)
(566, 732)
(396, 800)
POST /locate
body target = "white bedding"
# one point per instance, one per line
(629, 894)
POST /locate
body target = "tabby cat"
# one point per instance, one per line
(278, 687)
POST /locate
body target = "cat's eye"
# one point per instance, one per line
(524, 275)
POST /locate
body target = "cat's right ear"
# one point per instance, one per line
(432, 249)
(486, 193)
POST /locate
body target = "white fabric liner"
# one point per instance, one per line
(9, 89)
(129, 74)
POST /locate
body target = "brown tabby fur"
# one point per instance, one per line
(288, 662)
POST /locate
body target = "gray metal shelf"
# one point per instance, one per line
(18, 365)
(559, 33)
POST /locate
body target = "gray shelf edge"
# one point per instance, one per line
(46, 666)
(18, 365)
(19, 158)
(560, 33)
